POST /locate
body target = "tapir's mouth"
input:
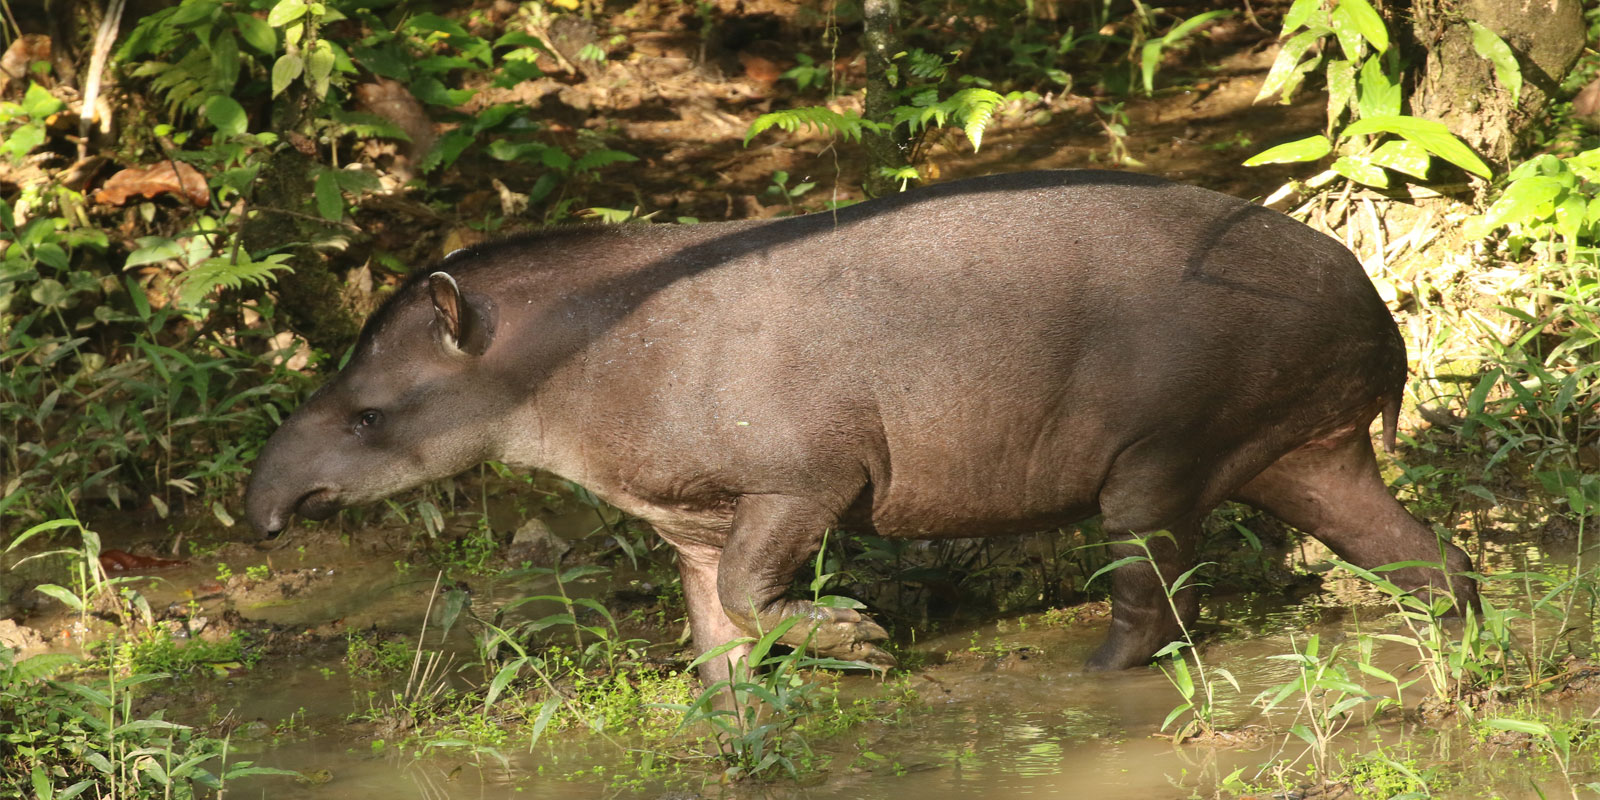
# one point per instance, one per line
(318, 503)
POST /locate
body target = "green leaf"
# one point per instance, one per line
(429, 90)
(39, 103)
(285, 70)
(1432, 135)
(23, 140)
(1361, 170)
(256, 33)
(191, 12)
(1570, 213)
(848, 125)
(50, 293)
(433, 23)
(64, 595)
(1520, 204)
(595, 159)
(1360, 17)
(319, 65)
(1175, 713)
(1121, 562)
(501, 679)
(1341, 89)
(546, 711)
(1310, 148)
(1286, 74)
(1492, 47)
(1378, 95)
(153, 249)
(1299, 15)
(1519, 725)
(42, 788)
(1404, 156)
(224, 62)
(285, 12)
(330, 202)
(227, 115)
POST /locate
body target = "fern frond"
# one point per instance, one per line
(927, 66)
(215, 272)
(975, 107)
(595, 159)
(850, 125)
(40, 667)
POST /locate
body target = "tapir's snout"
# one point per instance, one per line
(269, 509)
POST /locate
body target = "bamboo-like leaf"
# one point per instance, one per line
(42, 527)
(1360, 16)
(64, 595)
(1284, 75)
(1506, 70)
(1432, 135)
(1121, 562)
(546, 711)
(1361, 170)
(1519, 725)
(1310, 148)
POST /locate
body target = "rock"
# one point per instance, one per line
(534, 542)
(18, 637)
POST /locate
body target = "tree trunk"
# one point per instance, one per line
(1456, 86)
(881, 40)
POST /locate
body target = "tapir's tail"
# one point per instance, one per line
(1391, 419)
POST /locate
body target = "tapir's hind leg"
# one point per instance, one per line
(1333, 491)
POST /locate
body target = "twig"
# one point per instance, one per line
(103, 39)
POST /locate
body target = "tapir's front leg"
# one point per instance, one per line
(773, 537)
(697, 566)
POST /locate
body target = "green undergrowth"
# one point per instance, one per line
(65, 733)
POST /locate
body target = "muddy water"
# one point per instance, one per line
(1006, 709)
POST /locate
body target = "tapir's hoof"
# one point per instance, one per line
(867, 653)
(841, 633)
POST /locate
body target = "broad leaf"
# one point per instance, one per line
(227, 115)
(1310, 148)
(1404, 156)
(285, 70)
(1361, 170)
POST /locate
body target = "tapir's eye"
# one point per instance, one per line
(368, 419)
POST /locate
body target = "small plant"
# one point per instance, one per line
(755, 712)
(63, 739)
(1324, 697)
(1561, 741)
(606, 648)
(1197, 687)
(91, 586)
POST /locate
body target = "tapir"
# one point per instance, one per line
(995, 355)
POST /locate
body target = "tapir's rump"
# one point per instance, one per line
(983, 356)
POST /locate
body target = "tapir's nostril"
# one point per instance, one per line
(319, 503)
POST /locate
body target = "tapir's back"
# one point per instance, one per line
(988, 347)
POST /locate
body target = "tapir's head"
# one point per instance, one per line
(417, 402)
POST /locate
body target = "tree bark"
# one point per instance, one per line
(881, 40)
(1456, 86)
(312, 297)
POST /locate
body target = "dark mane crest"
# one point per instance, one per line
(467, 260)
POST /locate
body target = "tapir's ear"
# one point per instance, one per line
(463, 327)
